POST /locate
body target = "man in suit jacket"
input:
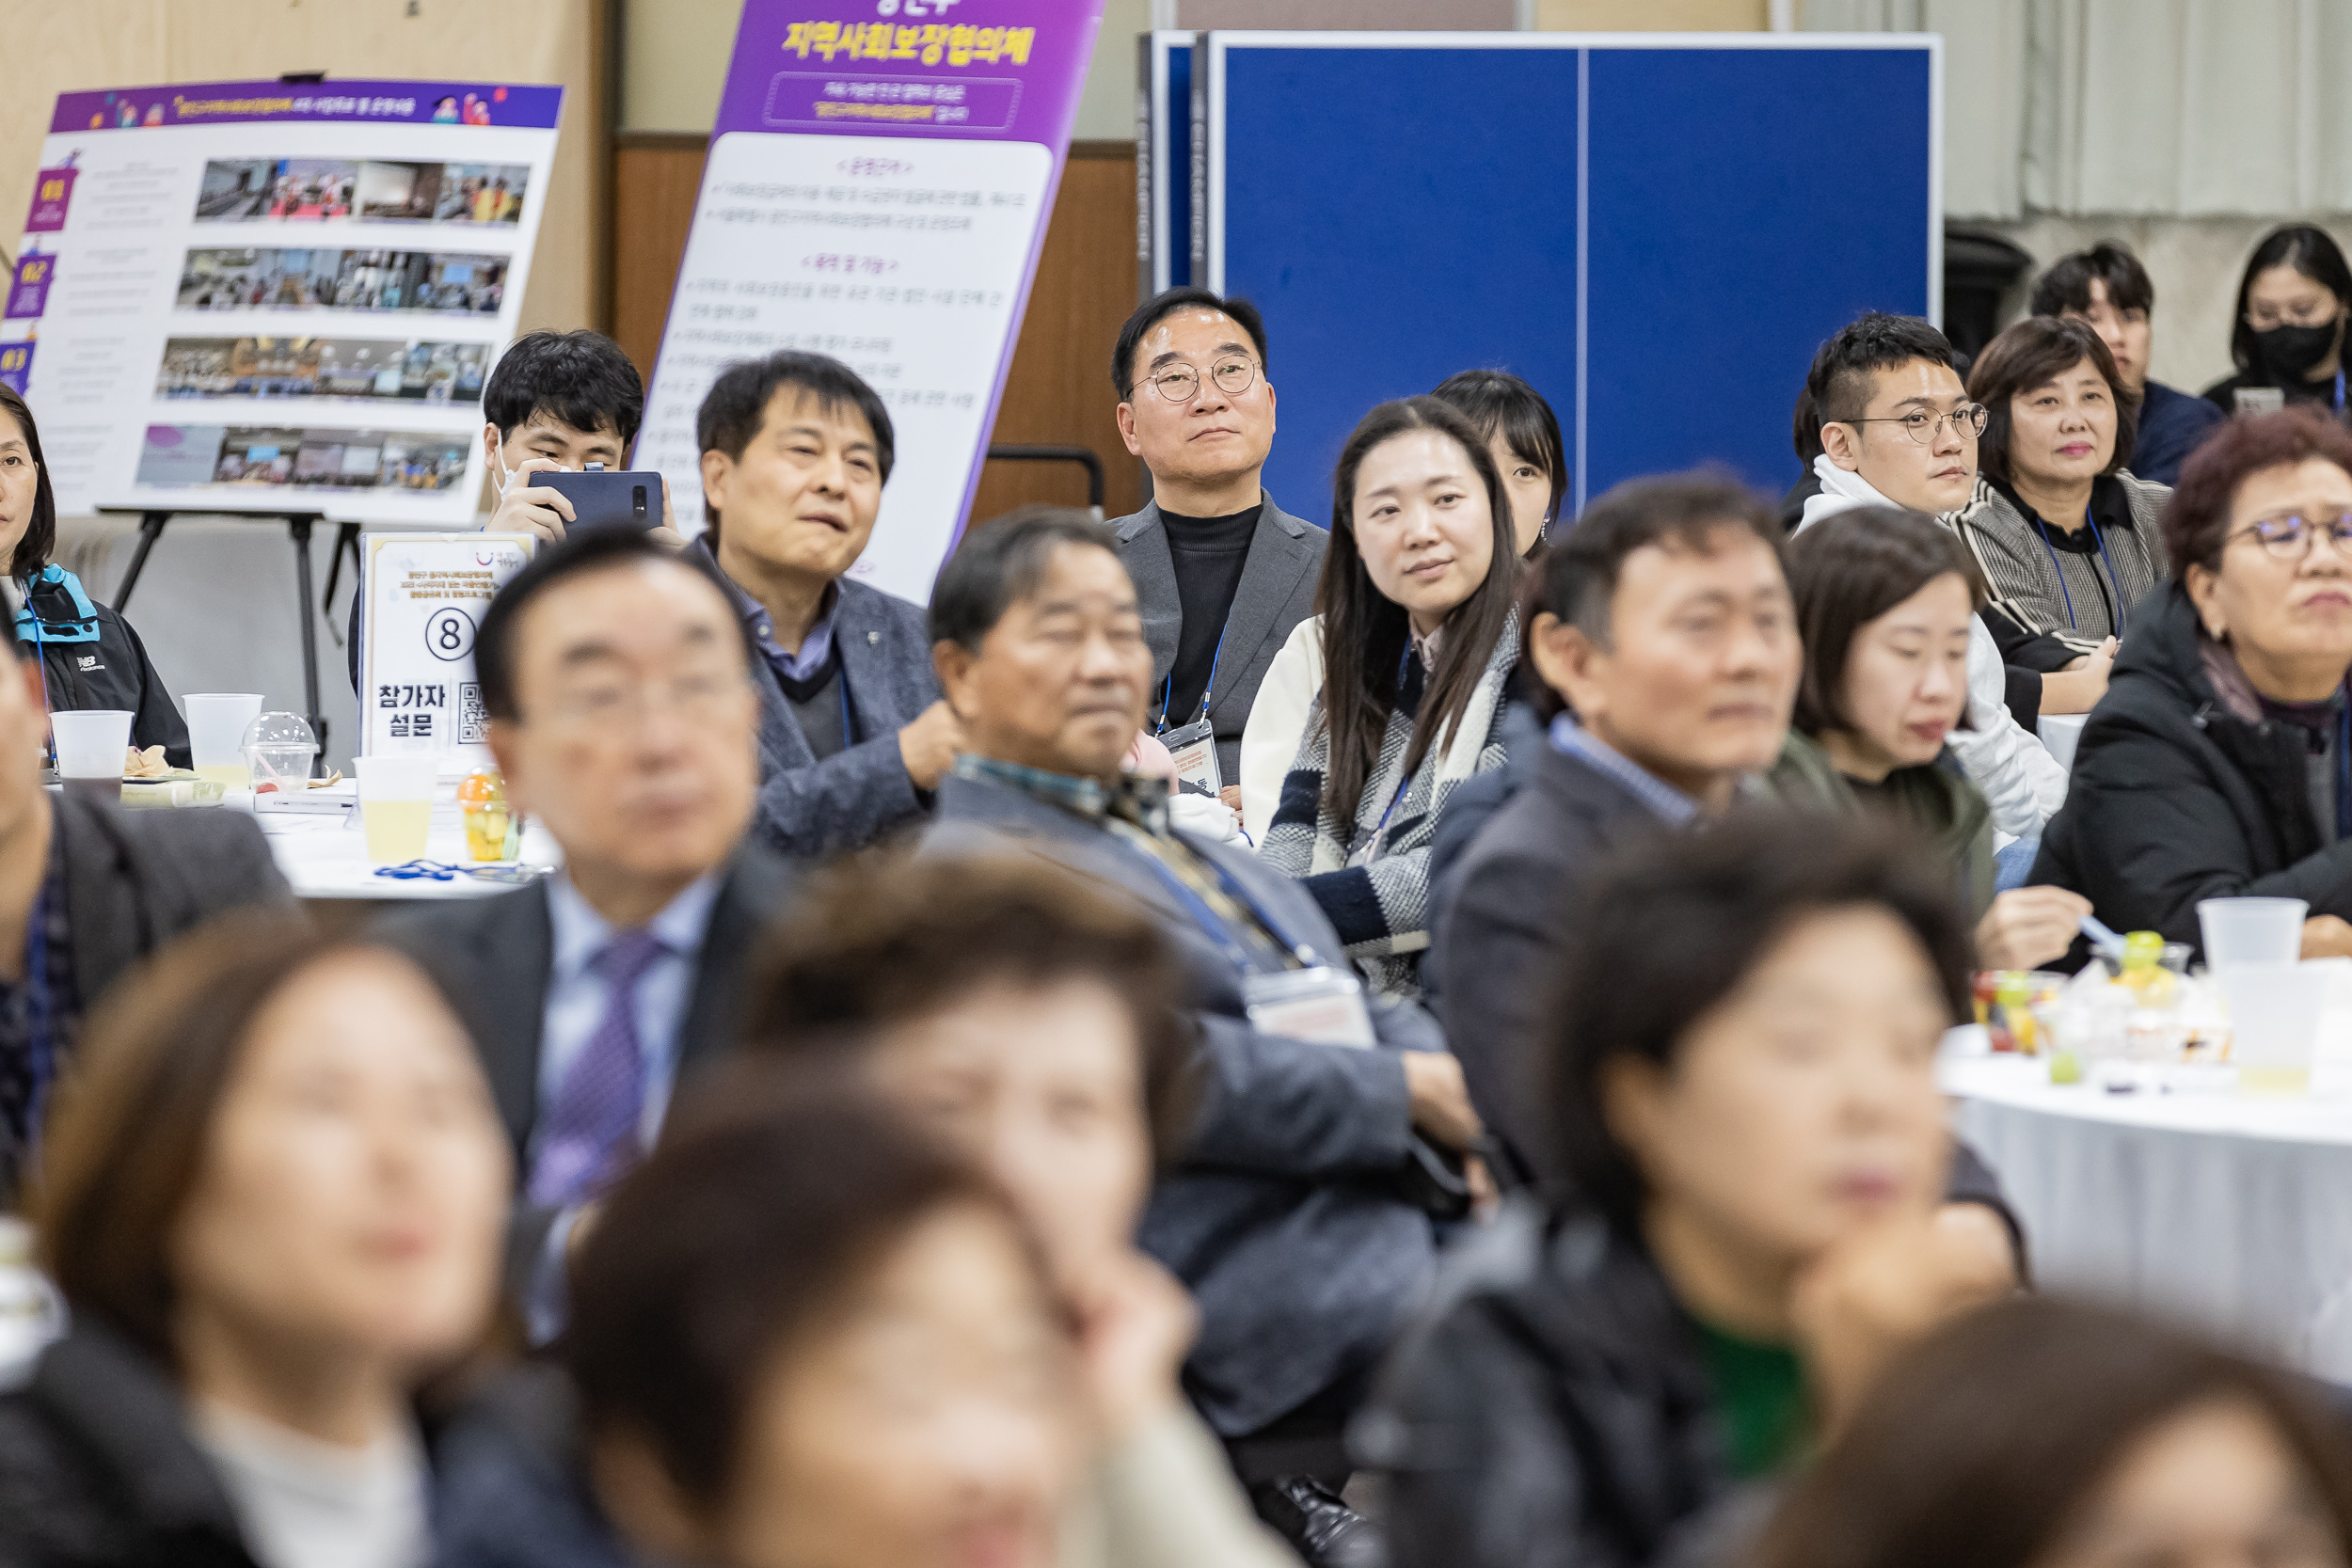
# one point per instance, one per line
(615, 675)
(852, 735)
(86, 891)
(1223, 575)
(1282, 1215)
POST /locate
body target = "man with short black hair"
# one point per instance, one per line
(1897, 428)
(86, 892)
(2108, 288)
(1288, 1213)
(614, 673)
(1222, 574)
(853, 738)
(555, 402)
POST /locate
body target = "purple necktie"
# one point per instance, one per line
(591, 1136)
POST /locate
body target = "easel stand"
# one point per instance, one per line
(297, 528)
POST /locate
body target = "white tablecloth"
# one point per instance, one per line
(327, 857)
(2232, 1214)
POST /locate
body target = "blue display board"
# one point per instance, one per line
(1657, 230)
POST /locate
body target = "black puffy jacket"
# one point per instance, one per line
(2179, 796)
(93, 658)
(1552, 1410)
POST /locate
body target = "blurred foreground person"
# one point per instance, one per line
(806, 1337)
(1742, 1078)
(2041, 1434)
(1033, 1021)
(272, 1195)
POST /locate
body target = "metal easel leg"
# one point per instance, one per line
(150, 529)
(300, 529)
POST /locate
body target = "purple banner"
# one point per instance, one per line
(1002, 69)
(53, 193)
(16, 366)
(28, 292)
(378, 102)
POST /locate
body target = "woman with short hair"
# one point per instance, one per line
(2068, 540)
(2217, 767)
(2046, 1434)
(273, 1191)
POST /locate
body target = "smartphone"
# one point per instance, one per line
(601, 499)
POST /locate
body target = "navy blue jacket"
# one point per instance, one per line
(2172, 424)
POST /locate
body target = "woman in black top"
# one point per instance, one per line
(2287, 337)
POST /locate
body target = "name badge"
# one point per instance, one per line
(1321, 1006)
(1193, 747)
(2259, 400)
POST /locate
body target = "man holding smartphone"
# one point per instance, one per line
(555, 401)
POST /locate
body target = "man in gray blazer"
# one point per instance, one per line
(615, 673)
(1284, 1214)
(86, 891)
(852, 735)
(1223, 575)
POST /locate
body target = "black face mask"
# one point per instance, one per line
(2287, 353)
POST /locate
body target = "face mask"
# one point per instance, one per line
(2287, 353)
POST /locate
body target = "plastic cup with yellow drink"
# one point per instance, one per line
(489, 824)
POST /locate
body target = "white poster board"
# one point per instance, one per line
(273, 297)
(427, 593)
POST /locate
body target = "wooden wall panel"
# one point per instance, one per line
(1058, 390)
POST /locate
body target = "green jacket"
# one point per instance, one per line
(1942, 802)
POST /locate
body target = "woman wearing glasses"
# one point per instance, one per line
(2288, 335)
(2066, 538)
(2220, 764)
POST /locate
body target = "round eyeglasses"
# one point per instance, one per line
(1231, 373)
(2290, 537)
(1925, 425)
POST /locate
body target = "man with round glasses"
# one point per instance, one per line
(1222, 574)
(1898, 428)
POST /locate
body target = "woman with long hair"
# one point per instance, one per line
(1420, 638)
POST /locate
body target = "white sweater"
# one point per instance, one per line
(1278, 723)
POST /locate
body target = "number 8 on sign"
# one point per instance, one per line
(448, 633)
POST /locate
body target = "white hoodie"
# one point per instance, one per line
(2020, 778)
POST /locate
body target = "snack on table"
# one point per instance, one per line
(148, 763)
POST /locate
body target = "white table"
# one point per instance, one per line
(327, 857)
(2232, 1214)
(2060, 733)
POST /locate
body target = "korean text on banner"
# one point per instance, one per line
(427, 593)
(276, 297)
(877, 191)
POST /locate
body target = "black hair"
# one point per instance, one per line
(1000, 563)
(11, 602)
(588, 550)
(1671, 928)
(2066, 287)
(1848, 570)
(40, 534)
(581, 378)
(1576, 580)
(1839, 381)
(739, 1232)
(1161, 305)
(1499, 402)
(1365, 632)
(2309, 251)
(2034, 352)
(736, 407)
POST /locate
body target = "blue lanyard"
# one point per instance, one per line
(2339, 391)
(1212, 925)
(1167, 687)
(2042, 532)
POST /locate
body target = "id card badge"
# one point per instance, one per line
(1320, 1006)
(1193, 747)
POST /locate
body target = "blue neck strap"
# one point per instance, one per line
(2042, 532)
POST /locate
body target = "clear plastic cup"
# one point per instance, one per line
(2252, 930)
(91, 743)
(2274, 1023)
(396, 803)
(217, 725)
(281, 748)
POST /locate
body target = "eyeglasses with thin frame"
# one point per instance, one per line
(612, 705)
(1231, 373)
(2292, 536)
(2316, 313)
(1925, 425)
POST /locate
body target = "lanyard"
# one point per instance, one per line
(1167, 687)
(1212, 925)
(2042, 532)
(849, 728)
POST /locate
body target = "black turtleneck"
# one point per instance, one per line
(1208, 554)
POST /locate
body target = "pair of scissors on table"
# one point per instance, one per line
(424, 870)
